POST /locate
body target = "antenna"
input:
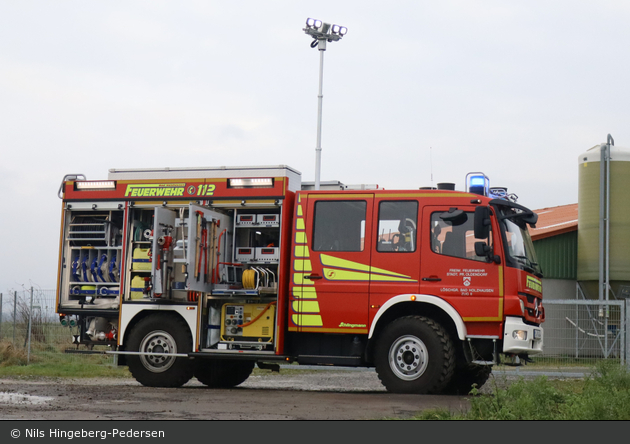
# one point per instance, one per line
(431, 163)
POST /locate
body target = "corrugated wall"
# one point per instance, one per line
(557, 256)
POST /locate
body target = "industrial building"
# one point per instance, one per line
(582, 249)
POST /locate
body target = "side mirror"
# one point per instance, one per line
(482, 223)
(531, 219)
(482, 249)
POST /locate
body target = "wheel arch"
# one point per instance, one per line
(137, 317)
(423, 305)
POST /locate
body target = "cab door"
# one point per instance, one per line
(396, 253)
(450, 268)
(331, 273)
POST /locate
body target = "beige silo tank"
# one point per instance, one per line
(588, 217)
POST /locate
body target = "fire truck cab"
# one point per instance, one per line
(206, 272)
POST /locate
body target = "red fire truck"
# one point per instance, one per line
(207, 272)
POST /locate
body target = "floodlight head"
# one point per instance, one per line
(323, 32)
(339, 30)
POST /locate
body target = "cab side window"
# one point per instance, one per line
(339, 226)
(397, 226)
(455, 236)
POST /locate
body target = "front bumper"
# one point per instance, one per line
(520, 338)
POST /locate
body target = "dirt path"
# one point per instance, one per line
(316, 395)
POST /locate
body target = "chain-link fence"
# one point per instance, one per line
(30, 331)
(582, 332)
(577, 332)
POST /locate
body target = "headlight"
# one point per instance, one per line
(521, 335)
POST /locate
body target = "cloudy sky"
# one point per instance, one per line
(418, 92)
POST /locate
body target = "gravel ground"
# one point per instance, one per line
(314, 394)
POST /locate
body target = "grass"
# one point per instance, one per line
(65, 370)
(46, 361)
(605, 395)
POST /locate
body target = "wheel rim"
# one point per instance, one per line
(158, 342)
(408, 358)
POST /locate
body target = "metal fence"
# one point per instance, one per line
(577, 331)
(30, 331)
(582, 332)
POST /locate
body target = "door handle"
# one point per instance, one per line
(313, 277)
(432, 279)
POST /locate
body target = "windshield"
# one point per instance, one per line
(519, 246)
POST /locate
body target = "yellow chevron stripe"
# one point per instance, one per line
(340, 196)
(307, 320)
(305, 306)
(335, 274)
(332, 261)
(301, 251)
(331, 330)
(433, 194)
(304, 293)
(299, 224)
(300, 237)
(302, 265)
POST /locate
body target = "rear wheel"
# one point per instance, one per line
(222, 373)
(414, 354)
(160, 334)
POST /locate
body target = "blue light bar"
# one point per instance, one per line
(478, 183)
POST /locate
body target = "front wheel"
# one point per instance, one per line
(414, 354)
(160, 334)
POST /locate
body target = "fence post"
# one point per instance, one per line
(30, 317)
(14, 314)
(627, 334)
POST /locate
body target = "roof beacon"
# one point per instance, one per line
(478, 183)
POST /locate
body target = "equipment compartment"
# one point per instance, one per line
(177, 252)
(241, 325)
(92, 247)
(241, 308)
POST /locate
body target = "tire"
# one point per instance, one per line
(414, 354)
(160, 333)
(465, 376)
(222, 373)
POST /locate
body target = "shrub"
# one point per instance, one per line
(11, 356)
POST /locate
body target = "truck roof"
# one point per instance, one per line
(295, 176)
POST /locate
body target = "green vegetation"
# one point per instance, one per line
(64, 370)
(47, 361)
(605, 395)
